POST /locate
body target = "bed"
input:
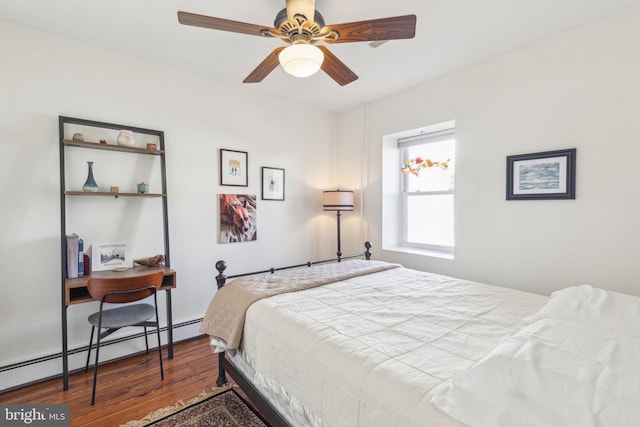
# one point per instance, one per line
(368, 343)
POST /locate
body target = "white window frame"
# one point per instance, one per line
(422, 139)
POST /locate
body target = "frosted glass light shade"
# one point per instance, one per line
(301, 60)
(337, 200)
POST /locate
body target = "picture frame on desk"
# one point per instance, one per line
(110, 256)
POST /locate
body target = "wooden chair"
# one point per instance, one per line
(119, 290)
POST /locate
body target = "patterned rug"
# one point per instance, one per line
(222, 408)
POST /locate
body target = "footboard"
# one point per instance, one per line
(225, 365)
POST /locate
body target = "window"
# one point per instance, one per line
(427, 199)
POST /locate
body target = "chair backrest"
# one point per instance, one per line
(99, 286)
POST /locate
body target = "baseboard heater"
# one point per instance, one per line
(49, 357)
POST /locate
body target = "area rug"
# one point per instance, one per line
(223, 407)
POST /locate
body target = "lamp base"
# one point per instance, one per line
(339, 253)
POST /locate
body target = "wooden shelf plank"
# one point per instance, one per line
(108, 193)
(110, 147)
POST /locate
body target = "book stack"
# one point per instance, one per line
(75, 256)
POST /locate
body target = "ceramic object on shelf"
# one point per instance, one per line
(143, 188)
(78, 137)
(90, 184)
(126, 139)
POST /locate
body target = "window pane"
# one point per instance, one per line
(433, 178)
(430, 219)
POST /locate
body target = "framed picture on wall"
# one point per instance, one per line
(272, 183)
(545, 175)
(233, 168)
(238, 218)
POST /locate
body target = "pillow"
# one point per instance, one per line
(572, 363)
(594, 306)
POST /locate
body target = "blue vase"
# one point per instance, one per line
(90, 183)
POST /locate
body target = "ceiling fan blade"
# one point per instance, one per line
(336, 68)
(307, 8)
(398, 27)
(203, 21)
(265, 67)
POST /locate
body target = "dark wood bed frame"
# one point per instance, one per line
(270, 414)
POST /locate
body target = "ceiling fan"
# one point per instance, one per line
(301, 26)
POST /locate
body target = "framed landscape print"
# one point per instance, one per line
(545, 175)
(272, 183)
(233, 168)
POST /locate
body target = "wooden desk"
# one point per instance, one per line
(76, 293)
(76, 289)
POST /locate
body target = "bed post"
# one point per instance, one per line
(222, 375)
(221, 278)
(367, 253)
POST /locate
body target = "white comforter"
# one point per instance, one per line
(574, 363)
(373, 350)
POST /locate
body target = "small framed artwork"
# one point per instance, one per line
(545, 175)
(272, 183)
(110, 256)
(233, 168)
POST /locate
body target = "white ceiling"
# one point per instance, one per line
(450, 34)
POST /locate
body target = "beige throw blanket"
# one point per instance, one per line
(224, 319)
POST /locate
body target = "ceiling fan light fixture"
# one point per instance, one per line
(301, 60)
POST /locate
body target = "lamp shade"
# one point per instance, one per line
(337, 200)
(301, 60)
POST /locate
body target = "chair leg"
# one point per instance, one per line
(160, 352)
(146, 341)
(86, 368)
(95, 368)
(158, 333)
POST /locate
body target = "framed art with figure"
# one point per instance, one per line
(233, 168)
(544, 175)
(272, 183)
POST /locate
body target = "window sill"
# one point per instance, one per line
(434, 253)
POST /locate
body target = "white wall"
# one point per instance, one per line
(576, 90)
(580, 89)
(44, 76)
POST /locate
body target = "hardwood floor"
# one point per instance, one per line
(128, 389)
